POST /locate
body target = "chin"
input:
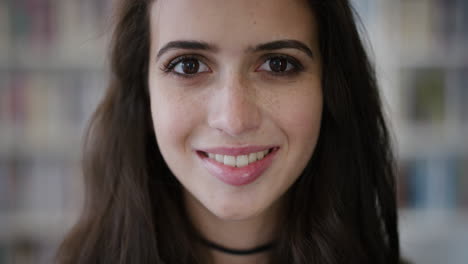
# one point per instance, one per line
(234, 211)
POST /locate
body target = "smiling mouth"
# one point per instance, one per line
(238, 166)
(238, 161)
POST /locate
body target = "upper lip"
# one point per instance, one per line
(235, 151)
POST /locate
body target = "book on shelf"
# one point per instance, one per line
(47, 30)
(17, 101)
(463, 4)
(10, 181)
(31, 23)
(50, 83)
(4, 98)
(462, 89)
(417, 28)
(38, 100)
(26, 250)
(5, 186)
(463, 183)
(42, 22)
(448, 26)
(431, 183)
(43, 189)
(4, 253)
(425, 90)
(4, 32)
(401, 183)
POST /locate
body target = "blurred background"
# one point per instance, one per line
(53, 71)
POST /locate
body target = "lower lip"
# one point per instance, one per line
(238, 176)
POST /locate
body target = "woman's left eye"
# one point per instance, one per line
(279, 65)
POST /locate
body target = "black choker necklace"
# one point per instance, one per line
(255, 250)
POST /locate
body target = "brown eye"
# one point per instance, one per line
(278, 64)
(190, 66)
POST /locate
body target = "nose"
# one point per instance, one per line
(236, 111)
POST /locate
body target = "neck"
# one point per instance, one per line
(237, 234)
(220, 258)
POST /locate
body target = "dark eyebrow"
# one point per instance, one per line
(285, 44)
(185, 44)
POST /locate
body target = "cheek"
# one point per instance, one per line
(300, 115)
(174, 117)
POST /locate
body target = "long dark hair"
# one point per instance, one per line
(342, 209)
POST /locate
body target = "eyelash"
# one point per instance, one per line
(297, 66)
(171, 64)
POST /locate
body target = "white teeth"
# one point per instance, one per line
(242, 161)
(230, 160)
(260, 155)
(238, 161)
(252, 157)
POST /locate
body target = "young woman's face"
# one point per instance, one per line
(236, 98)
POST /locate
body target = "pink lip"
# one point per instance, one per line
(233, 175)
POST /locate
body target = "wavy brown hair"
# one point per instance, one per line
(342, 209)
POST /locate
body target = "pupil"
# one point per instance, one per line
(190, 66)
(278, 64)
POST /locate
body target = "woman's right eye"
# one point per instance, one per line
(187, 66)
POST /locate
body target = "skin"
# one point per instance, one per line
(235, 100)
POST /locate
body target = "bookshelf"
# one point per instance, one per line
(52, 73)
(419, 47)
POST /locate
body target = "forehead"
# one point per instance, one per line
(231, 23)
